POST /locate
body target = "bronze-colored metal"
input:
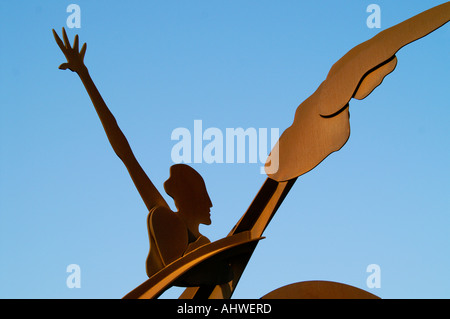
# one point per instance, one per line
(319, 290)
(174, 235)
(254, 221)
(179, 253)
(171, 234)
(75, 62)
(195, 267)
(321, 124)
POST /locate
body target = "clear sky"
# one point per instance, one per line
(66, 198)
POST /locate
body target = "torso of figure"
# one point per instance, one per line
(169, 238)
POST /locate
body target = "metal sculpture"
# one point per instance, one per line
(321, 124)
(181, 256)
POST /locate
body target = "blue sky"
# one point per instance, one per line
(65, 198)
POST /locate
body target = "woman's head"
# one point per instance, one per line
(187, 188)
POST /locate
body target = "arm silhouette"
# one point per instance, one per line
(150, 195)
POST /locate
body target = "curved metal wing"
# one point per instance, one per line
(321, 124)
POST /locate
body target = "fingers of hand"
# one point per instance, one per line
(83, 51)
(64, 46)
(58, 40)
(66, 39)
(75, 43)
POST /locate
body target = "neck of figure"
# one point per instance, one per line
(191, 224)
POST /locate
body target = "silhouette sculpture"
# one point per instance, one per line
(321, 124)
(179, 254)
(171, 234)
(318, 289)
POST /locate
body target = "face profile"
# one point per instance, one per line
(321, 126)
(188, 190)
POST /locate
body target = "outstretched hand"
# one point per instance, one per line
(74, 57)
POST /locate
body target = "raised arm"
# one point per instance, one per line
(75, 62)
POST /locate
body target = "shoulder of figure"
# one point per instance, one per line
(169, 232)
(164, 216)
